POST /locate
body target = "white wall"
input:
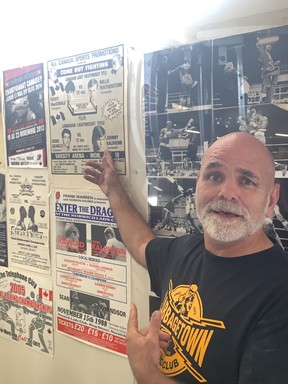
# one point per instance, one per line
(75, 362)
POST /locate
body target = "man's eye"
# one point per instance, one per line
(246, 181)
(214, 177)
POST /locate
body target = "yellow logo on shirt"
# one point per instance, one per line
(182, 317)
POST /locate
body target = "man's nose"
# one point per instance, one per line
(229, 190)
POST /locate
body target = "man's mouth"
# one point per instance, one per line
(225, 213)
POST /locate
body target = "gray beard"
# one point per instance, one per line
(220, 230)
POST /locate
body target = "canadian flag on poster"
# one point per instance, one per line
(45, 294)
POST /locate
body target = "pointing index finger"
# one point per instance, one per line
(133, 318)
(155, 324)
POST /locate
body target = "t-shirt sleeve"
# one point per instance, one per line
(157, 258)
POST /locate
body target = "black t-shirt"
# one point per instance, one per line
(228, 317)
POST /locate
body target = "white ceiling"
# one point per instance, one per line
(31, 32)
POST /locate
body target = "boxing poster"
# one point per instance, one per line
(2, 145)
(24, 117)
(92, 273)
(28, 220)
(26, 310)
(86, 102)
(3, 223)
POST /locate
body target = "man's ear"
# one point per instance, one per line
(274, 196)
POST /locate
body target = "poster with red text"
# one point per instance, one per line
(24, 117)
(92, 291)
(26, 310)
(2, 147)
(3, 223)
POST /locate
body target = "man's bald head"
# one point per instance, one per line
(247, 147)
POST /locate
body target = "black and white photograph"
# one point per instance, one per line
(251, 68)
(172, 208)
(178, 78)
(90, 305)
(267, 122)
(277, 226)
(106, 242)
(244, 88)
(71, 237)
(250, 89)
(175, 143)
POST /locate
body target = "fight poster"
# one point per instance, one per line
(2, 145)
(93, 268)
(3, 223)
(86, 101)
(26, 310)
(24, 117)
(28, 220)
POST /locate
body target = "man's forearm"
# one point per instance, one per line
(134, 230)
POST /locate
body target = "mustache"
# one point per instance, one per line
(221, 205)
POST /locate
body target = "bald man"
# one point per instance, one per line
(235, 325)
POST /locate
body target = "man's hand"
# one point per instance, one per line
(102, 173)
(164, 337)
(143, 349)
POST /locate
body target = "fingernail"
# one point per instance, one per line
(157, 315)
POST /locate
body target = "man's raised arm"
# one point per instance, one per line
(134, 230)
